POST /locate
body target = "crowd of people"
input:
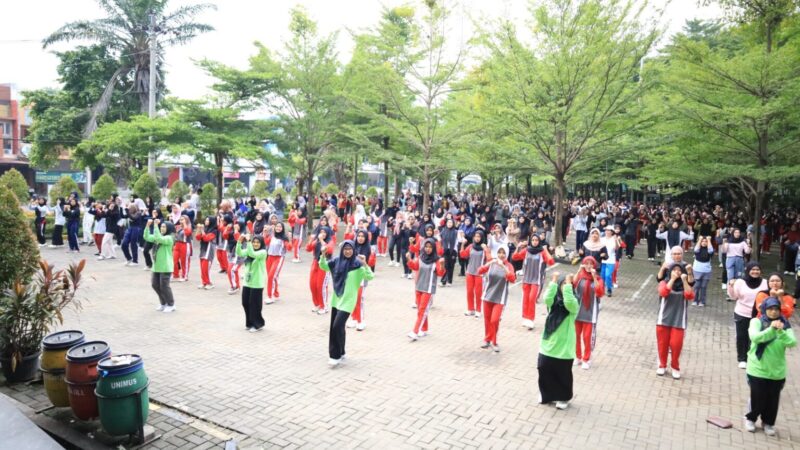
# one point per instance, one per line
(491, 243)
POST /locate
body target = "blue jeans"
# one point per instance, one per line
(580, 238)
(734, 265)
(131, 239)
(701, 280)
(606, 272)
(72, 235)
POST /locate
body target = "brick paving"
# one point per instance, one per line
(214, 381)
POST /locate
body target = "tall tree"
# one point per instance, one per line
(300, 86)
(573, 93)
(731, 111)
(124, 31)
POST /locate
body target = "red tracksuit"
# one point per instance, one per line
(275, 256)
(492, 310)
(531, 291)
(231, 268)
(669, 337)
(358, 311)
(222, 254)
(204, 258)
(474, 281)
(182, 252)
(318, 279)
(297, 225)
(424, 296)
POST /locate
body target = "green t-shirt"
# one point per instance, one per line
(162, 262)
(561, 343)
(772, 364)
(347, 302)
(255, 272)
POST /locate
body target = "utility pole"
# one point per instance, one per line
(151, 103)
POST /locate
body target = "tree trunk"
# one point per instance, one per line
(310, 209)
(386, 182)
(558, 199)
(355, 174)
(220, 179)
(426, 190)
(396, 185)
(300, 182)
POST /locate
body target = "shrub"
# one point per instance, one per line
(317, 187)
(371, 192)
(147, 186)
(331, 189)
(16, 183)
(260, 190)
(235, 190)
(104, 187)
(65, 186)
(20, 256)
(178, 189)
(208, 200)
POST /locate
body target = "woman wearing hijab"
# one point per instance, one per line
(255, 273)
(297, 221)
(160, 234)
(775, 288)
(258, 224)
(674, 237)
(428, 267)
(744, 292)
(278, 244)
(703, 252)
(321, 243)
(771, 335)
(348, 271)
(557, 349)
(589, 290)
(735, 248)
(449, 240)
(475, 254)
(534, 258)
(363, 248)
(594, 247)
(465, 232)
(674, 292)
(498, 274)
(207, 235)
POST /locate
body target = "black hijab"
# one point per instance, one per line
(212, 225)
(342, 266)
(558, 312)
(677, 285)
(449, 234)
(317, 245)
(752, 283)
(426, 258)
(770, 302)
(534, 250)
(260, 239)
(365, 248)
(282, 235)
(258, 225)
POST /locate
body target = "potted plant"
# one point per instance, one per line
(29, 311)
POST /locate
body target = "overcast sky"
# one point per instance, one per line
(238, 24)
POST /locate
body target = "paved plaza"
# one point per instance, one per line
(212, 380)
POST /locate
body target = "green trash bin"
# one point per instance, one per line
(122, 394)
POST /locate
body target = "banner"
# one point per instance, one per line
(52, 177)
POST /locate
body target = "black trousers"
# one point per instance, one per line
(403, 249)
(160, 283)
(450, 257)
(652, 246)
(764, 398)
(630, 243)
(40, 230)
(338, 333)
(58, 238)
(742, 336)
(252, 301)
(147, 252)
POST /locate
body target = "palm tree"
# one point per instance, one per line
(125, 32)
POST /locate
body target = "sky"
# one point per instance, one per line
(239, 23)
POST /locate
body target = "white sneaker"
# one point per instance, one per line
(661, 371)
(577, 362)
(255, 330)
(616, 285)
(100, 258)
(562, 405)
(469, 313)
(586, 365)
(296, 260)
(414, 306)
(209, 287)
(160, 308)
(422, 334)
(769, 430)
(676, 374)
(361, 326)
(413, 336)
(133, 264)
(477, 315)
(723, 286)
(51, 246)
(496, 348)
(750, 426)
(351, 323)
(409, 276)
(322, 311)
(742, 365)
(391, 264)
(269, 301)
(201, 286)
(334, 362)
(147, 269)
(232, 291)
(169, 309)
